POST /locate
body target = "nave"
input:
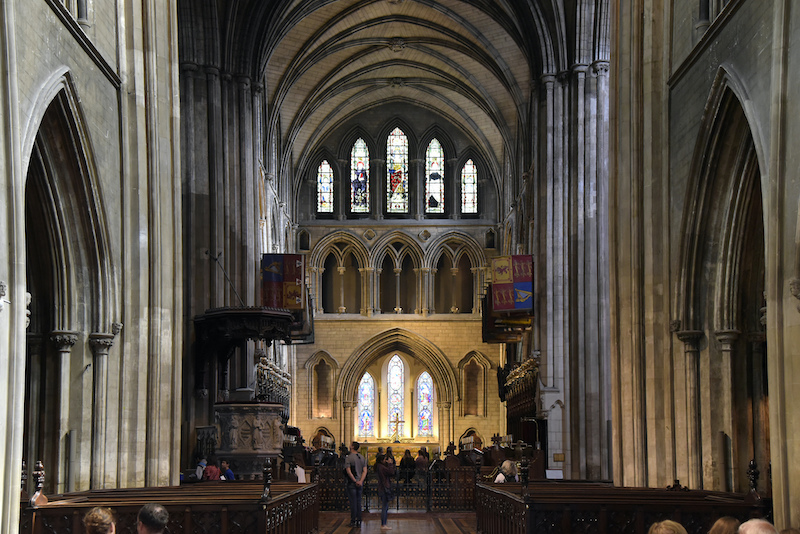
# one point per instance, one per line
(401, 522)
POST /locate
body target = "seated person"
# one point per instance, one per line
(225, 471)
(99, 521)
(508, 473)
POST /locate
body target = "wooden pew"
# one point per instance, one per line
(227, 507)
(563, 507)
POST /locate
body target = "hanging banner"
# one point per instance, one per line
(512, 283)
(282, 281)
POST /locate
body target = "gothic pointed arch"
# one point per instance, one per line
(473, 374)
(396, 245)
(321, 370)
(58, 145)
(410, 343)
(715, 172)
(720, 288)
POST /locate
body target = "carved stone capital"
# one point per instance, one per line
(101, 343)
(548, 79)
(600, 68)
(348, 405)
(63, 339)
(690, 339)
(727, 338)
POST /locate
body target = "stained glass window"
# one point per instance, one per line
(469, 188)
(366, 406)
(434, 178)
(425, 405)
(397, 172)
(359, 177)
(325, 187)
(396, 378)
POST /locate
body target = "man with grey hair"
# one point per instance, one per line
(757, 526)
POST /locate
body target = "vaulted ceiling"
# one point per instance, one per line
(322, 61)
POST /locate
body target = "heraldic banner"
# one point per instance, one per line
(512, 283)
(282, 281)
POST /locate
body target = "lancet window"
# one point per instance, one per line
(366, 406)
(425, 405)
(359, 177)
(434, 178)
(325, 187)
(469, 188)
(396, 382)
(397, 172)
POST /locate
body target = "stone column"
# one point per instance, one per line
(445, 427)
(342, 308)
(63, 340)
(690, 340)
(316, 286)
(367, 303)
(425, 290)
(397, 272)
(432, 301)
(760, 416)
(346, 424)
(727, 340)
(100, 344)
(454, 282)
(35, 347)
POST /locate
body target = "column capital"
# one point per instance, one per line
(727, 338)
(101, 342)
(348, 405)
(600, 68)
(690, 338)
(63, 339)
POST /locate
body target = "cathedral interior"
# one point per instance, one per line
(640, 152)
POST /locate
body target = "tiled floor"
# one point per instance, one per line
(401, 523)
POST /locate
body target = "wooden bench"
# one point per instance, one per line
(227, 507)
(585, 507)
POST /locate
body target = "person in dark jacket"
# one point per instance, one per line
(386, 471)
(407, 466)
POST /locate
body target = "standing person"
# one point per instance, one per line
(211, 472)
(225, 470)
(355, 467)
(99, 521)
(407, 466)
(421, 462)
(725, 525)
(152, 519)
(386, 471)
(201, 466)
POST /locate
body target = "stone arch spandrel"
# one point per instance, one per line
(382, 246)
(325, 245)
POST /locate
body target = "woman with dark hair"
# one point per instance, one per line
(211, 472)
(386, 471)
(725, 525)
(99, 521)
(407, 466)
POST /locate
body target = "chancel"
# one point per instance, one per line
(563, 234)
